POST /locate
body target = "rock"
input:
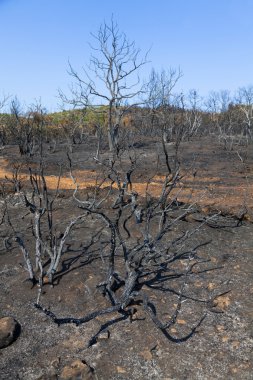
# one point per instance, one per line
(104, 335)
(181, 321)
(121, 369)
(56, 362)
(221, 303)
(9, 331)
(147, 355)
(220, 328)
(78, 370)
(248, 217)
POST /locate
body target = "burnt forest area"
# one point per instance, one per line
(126, 233)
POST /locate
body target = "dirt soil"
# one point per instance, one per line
(221, 288)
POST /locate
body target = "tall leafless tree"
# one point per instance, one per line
(160, 99)
(111, 77)
(193, 114)
(27, 127)
(244, 99)
(3, 101)
(3, 132)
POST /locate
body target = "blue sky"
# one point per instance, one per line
(211, 40)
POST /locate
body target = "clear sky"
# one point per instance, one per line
(211, 40)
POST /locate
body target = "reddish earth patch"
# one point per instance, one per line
(220, 181)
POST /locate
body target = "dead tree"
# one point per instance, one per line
(16, 179)
(148, 260)
(143, 248)
(3, 121)
(21, 129)
(192, 115)
(42, 262)
(244, 99)
(160, 101)
(27, 128)
(111, 78)
(231, 117)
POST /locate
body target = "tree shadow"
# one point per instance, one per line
(157, 281)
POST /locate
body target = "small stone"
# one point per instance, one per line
(248, 217)
(181, 321)
(121, 369)
(159, 353)
(56, 362)
(190, 218)
(225, 339)
(78, 370)
(221, 302)
(104, 335)
(147, 355)
(137, 314)
(211, 286)
(46, 280)
(9, 331)
(235, 344)
(220, 328)
(156, 350)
